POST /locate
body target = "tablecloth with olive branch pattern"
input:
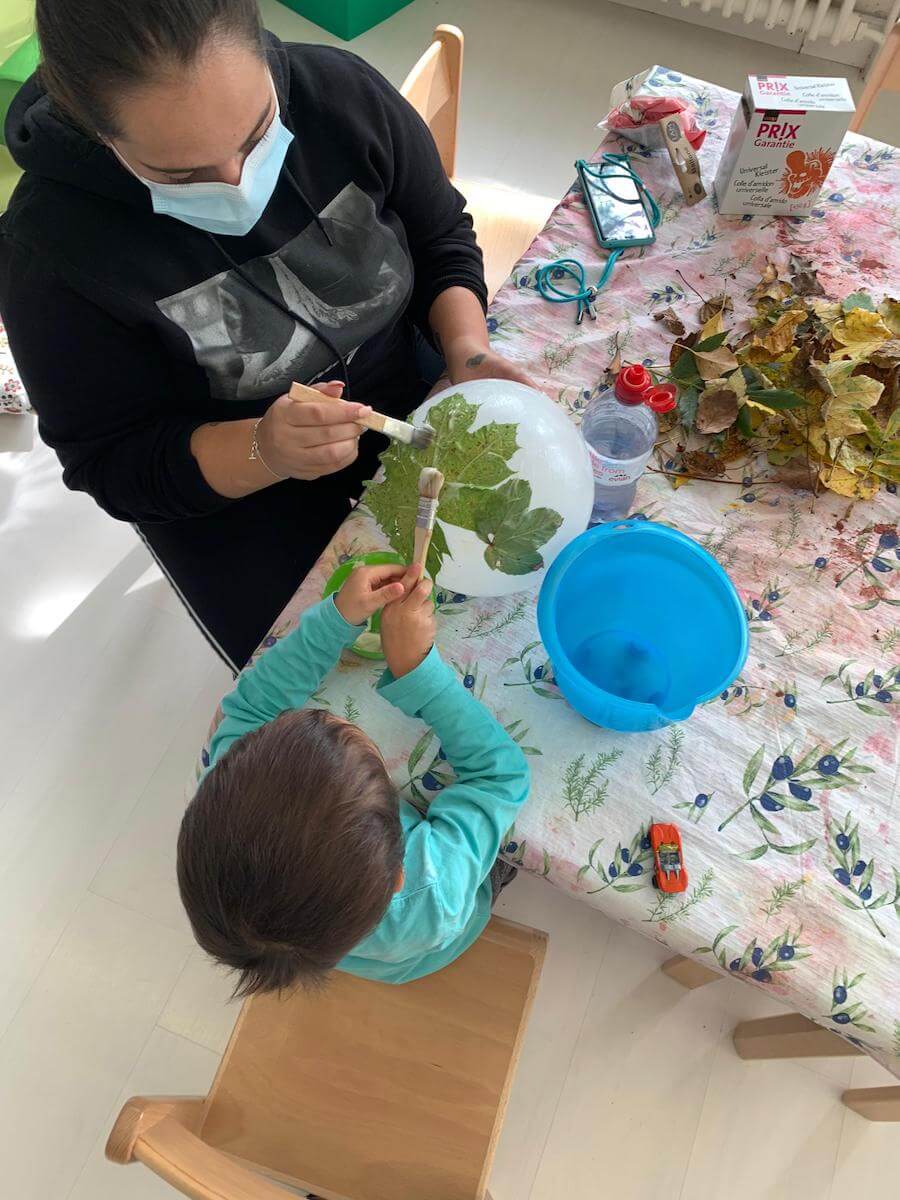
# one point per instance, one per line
(784, 787)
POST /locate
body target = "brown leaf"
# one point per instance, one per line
(890, 314)
(797, 473)
(671, 321)
(716, 409)
(779, 338)
(712, 364)
(678, 348)
(887, 355)
(701, 462)
(804, 277)
(721, 303)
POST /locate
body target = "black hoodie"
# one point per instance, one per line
(131, 329)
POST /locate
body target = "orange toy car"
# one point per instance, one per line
(669, 874)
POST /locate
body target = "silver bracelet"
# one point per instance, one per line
(256, 453)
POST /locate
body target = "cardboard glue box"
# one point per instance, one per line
(784, 137)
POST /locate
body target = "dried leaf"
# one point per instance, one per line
(845, 483)
(717, 407)
(713, 364)
(778, 339)
(712, 326)
(679, 347)
(721, 303)
(701, 462)
(889, 309)
(860, 333)
(849, 392)
(770, 287)
(887, 355)
(804, 277)
(670, 320)
(826, 310)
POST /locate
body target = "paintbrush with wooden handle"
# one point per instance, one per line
(400, 431)
(430, 483)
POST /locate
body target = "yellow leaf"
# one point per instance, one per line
(779, 338)
(860, 333)
(714, 325)
(851, 392)
(890, 314)
(845, 483)
(861, 325)
(826, 310)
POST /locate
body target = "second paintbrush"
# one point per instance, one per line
(400, 431)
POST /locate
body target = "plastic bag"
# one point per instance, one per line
(638, 105)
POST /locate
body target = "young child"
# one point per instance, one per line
(296, 855)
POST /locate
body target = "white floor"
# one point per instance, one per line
(628, 1086)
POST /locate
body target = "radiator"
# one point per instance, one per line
(844, 31)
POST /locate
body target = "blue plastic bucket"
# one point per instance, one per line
(641, 625)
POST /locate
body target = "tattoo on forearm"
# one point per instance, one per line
(476, 360)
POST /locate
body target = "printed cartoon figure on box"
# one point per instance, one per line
(785, 134)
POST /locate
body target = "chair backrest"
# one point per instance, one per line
(367, 1091)
(883, 76)
(433, 86)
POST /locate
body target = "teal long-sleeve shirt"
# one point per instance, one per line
(445, 900)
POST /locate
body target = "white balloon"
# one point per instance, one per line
(553, 458)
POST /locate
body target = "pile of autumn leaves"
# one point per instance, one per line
(814, 383)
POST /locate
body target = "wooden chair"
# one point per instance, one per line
(791, 1036)
(365, 1092)
(506, 221)
(884, 75)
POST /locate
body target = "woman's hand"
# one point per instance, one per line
(407, 626)
(369, 588)
(476, 362)
(305, 440)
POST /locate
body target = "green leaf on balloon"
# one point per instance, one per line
(479, 491)
(512, 529)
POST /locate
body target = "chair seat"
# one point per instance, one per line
(380, 1092)
(506, 223)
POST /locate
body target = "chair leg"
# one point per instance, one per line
(790, 1036)
(688, 973)
(874, 1103)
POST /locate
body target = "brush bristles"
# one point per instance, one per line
(431, 480)
(422, 438)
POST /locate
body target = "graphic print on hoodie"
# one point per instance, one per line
(349, 290)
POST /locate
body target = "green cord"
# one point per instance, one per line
(570, 268)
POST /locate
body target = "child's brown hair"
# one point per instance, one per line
(290, 851)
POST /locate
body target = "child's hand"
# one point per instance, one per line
(407, 626)
(367, 589)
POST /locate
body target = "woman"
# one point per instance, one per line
(206, 216)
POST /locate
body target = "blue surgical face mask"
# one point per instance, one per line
(226, 208)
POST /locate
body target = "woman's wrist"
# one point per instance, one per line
(223, 453)
(465, 353)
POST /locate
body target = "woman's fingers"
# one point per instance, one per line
(328, 412)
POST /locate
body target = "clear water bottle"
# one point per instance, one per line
(620, 429)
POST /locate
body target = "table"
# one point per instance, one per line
(785, 787)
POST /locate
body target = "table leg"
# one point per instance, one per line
(790, 1036)
(874, 1103)
(688, 973)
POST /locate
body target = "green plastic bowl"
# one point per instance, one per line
(368, 644)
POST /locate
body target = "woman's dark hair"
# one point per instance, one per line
(290, 851)
(94, 51)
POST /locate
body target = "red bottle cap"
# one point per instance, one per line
(661, 399)
(632, 382)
